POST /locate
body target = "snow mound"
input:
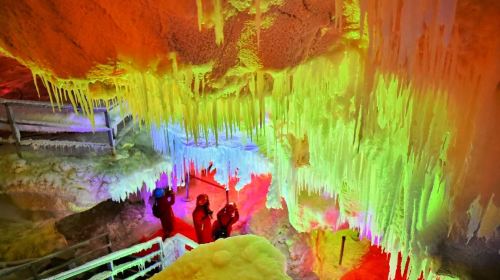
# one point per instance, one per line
(244, 257)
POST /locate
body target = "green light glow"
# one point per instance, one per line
(374, 141)
(381, 154)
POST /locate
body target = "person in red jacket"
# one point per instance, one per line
(226, 218)
(202, 219)
(162, 209)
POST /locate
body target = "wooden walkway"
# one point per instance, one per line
(22, 117)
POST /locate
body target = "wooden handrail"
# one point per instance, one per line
(207, 182)
(49, 271)
(10, 270)
(57, 125)
(14, 263)
(44, 104)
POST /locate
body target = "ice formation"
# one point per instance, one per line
(387, 176)
(232, 156)
(76, 183)
(238, 257)
(392, 116)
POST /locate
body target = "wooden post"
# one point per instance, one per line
(342, 250)
(186, 181)
(33, 272)
(14, 129)
(108, 242)
(186, 184)
(187, 177)
(111, 138)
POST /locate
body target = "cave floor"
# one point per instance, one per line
(132, 221)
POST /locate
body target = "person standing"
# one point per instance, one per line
(162, 209)
(202, 219)
(226, 218)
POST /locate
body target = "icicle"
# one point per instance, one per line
(218, 19)
(245, 157)
(379, 150)
(475, 212)
(199, 6)
(339, 9)
(257, 20)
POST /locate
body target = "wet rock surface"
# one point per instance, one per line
(274, 225)
(124, 222)
(477, 259)
(26, 239)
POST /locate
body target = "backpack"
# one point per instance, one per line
(156, 211)
(221, 232)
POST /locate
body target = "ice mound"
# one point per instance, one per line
(244, 257)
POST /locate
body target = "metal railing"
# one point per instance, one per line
(33, 266)
(160, 256)
(29, 118)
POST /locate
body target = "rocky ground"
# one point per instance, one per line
(63, 184)
(43, 187)
(274, 225)
(51, 202)
(125, 223)
(27, 239)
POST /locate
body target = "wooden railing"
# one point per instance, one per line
(34, 265)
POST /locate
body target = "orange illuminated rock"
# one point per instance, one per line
(72, 38)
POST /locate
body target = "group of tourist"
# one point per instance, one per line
(206, 231)
(202, 220)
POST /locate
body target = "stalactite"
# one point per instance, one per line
(218, 19)
(339, 6)
(378, 118)
(230, 156)
(199, 7)
(258, 18)
(390, 176)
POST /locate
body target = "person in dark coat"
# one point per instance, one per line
(226, 218)
(202, 219)
(162, 209)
